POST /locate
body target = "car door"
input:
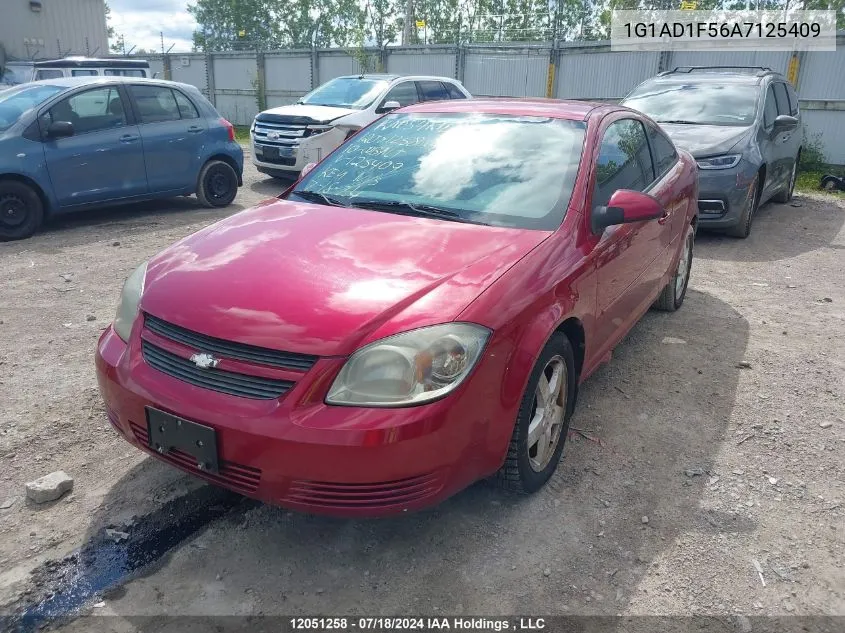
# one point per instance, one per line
(667, 191)
(103, 159)
(771, 145)
(787, 103)
(622, 254)
(172, 133)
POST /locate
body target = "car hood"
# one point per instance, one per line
(705, 140)
(321, 114)
(324, 280)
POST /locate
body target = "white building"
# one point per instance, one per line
(45, 29)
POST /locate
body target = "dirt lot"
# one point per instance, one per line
(714, 438)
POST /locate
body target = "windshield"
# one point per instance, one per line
(490, 169)
(703, 103)
(15, 101)
(13, 75)
(346, 92)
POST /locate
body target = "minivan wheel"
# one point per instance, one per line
(786, 194)
(21, 210)
(743, 227)
(543, 420)
(217, 185)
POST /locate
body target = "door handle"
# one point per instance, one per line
(195, 129)
(128, 138)
(665, 217)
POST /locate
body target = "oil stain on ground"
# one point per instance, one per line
(60, 588)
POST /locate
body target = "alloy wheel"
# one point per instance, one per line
(548, 414)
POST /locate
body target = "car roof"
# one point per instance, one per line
(394, 77)
(82, 62)
(75, 82)
(554, 108)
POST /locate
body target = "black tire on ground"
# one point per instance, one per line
(786, 194)
(21, 210)
(217, 184)
(742, 229)
(672, 296)
(517, 474)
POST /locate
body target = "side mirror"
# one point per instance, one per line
(389, 106)
(625, 206)
(306, 169)
(60, 129)
(784, 123)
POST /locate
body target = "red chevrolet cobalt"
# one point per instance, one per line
(413, 315)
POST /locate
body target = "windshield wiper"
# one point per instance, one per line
(320, 198)
(410, 208)
(679, 121)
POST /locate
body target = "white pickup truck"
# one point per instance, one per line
(285, 139)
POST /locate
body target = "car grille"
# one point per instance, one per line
(368, 495)
(229, 382)
(235, 476)
(229, 349)
(289, 129)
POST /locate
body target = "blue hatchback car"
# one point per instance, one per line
(78, 142)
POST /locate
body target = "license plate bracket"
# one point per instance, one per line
(167, 432)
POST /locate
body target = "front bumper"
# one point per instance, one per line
(299, 453)
(724, 194)
(294, 157)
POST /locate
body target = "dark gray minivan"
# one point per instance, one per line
(742, 125)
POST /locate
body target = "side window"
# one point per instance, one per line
(48, 74)
(770, 109)
(404, 94)
(83, 72)
(155, 103)
(453, 91)
(662, 151)
(780, 98)
(793, 100)
(90, 111)
(433, 91)
(124, 72)
(187, 109)
(624, 161)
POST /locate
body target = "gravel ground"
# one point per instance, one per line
(715, 438)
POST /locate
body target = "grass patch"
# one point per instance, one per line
(808, 181)
(242, 134)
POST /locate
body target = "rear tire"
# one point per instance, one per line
(21, 210)
(217, 184)
(743, 227)
(544, 415)
(673, 294)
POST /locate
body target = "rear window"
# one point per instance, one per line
(453, 91)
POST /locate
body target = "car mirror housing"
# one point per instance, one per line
(389, 106)
(785, 123)
(624, 207)
(60, 129)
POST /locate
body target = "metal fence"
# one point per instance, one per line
(239, 84)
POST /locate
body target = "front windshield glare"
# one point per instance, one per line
(492, 169)
(703, 103)
(346, 92)
(15, 101)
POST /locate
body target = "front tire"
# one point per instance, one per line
(21, 210)
(543, 420)
(217, 185)
(672, 296)
(743, 227)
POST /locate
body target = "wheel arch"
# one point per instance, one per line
(29, 182)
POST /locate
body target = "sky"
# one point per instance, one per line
(141, 21)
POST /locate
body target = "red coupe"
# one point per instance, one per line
(413, 315)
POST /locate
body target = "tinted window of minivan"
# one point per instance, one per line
(781, 98)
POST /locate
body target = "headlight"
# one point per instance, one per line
(127, 311)
(410, 368)
(318, 129)
(719, 162)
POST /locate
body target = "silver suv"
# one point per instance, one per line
(742, 125)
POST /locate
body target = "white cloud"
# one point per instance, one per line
(143, 21)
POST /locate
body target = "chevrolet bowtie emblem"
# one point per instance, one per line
(204, 361)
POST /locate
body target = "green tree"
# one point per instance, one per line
(225, 25)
